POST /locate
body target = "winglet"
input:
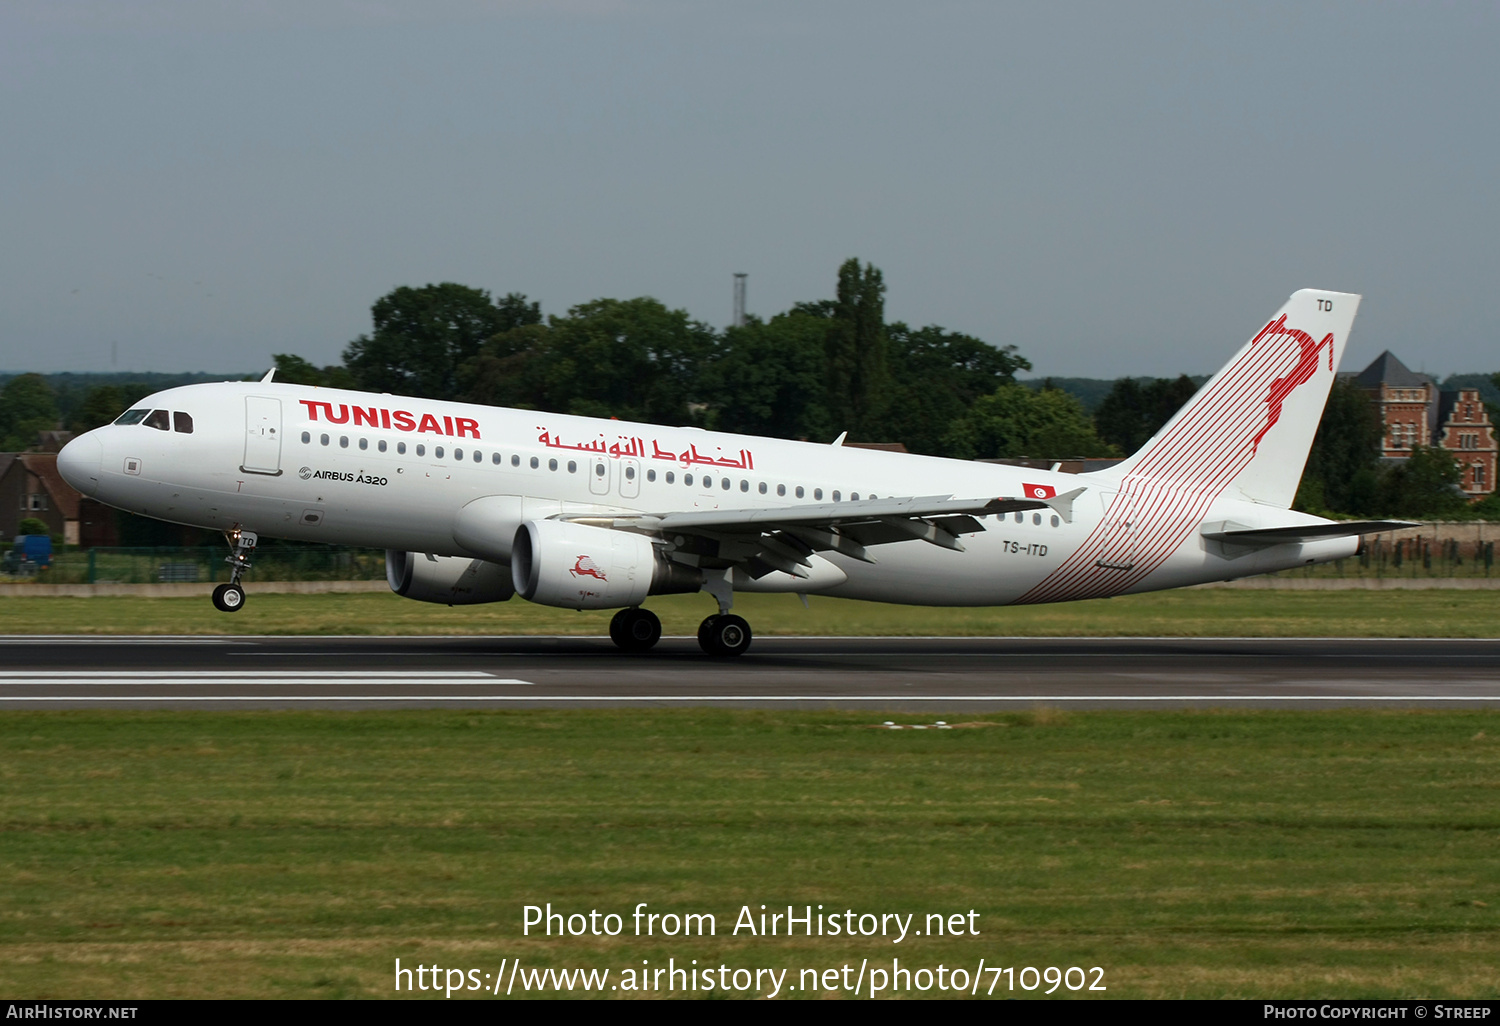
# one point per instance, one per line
(1063, 504)
(840, 439)
(269, 375)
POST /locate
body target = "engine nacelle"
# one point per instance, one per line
(557, 563)
(449, 580)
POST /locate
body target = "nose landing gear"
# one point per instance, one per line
(230, 598)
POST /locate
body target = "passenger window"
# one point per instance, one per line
(1055, 521)
(1020, 517)
(724, 484)
(817, 493)
(437, 452)
(535, 463)
(708, 482)
(495, 459)
(323, 439)
(182, 423)
(343, 441)
(551, 464)
(781, 489)
(401, 448)
(687, 479)
(853, 496)
(573, 467)
(364, 443)
(1036, 518)
(158, 420)
(599, 469)
(650, 475)
(671, 477)
(381, 445)
(744, 485)
(515, 459)
(799, 491)
(306, 437)
(630, 473)
(421, 450)
(132, 416)
(837, 497)
(479, 457)
(762, 488)
(458, 454)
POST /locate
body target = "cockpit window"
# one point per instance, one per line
(182, 422)
(132, 416)
(160, 420)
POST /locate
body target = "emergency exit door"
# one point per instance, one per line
(262, 435)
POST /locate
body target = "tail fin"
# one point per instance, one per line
(1251, 425)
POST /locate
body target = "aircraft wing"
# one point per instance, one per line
(763, 540)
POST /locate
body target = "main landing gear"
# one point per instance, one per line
(723, 634)
(635, 629)
(230, 598)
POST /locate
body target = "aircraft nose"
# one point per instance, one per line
(79, 462)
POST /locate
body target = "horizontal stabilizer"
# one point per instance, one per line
(1234, 534)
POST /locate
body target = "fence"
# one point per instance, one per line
(148, 565)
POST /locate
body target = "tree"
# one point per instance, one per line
(101, 405)
(294, 370)
(423, 335)
(628, 358)
(1425, 484)
(857, 349)
(1015, 421)
(1342, 471)
(937, 375)
(27, 406)
(766, 378)
(1133, 411)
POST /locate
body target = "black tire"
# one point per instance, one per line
(728, 635)
(705, 629)
(635, 630)
(229, 598)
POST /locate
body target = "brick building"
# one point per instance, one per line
(1416, 412)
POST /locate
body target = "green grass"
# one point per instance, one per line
(1265, 854)
(1198, 612)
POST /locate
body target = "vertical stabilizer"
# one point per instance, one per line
(1245, 433)
(1251, 425)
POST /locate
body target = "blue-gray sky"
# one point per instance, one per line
(1115, 188)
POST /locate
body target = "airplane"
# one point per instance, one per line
(477, 504)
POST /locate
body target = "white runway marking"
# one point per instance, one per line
(830, 699)
(41, 678)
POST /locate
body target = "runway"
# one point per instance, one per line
(916, 674)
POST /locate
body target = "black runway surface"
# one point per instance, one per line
(951, 675)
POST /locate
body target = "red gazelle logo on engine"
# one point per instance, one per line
(586, 567)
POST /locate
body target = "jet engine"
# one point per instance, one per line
(449, 580)
(557, 563)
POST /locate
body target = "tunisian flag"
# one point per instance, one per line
(1039, 491)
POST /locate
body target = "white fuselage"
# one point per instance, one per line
(299, 462)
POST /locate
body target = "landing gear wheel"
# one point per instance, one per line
(726, 635)
(229, 598)
(635, 630)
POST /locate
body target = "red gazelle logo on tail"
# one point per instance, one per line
(1300, 374)
(586, 567)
